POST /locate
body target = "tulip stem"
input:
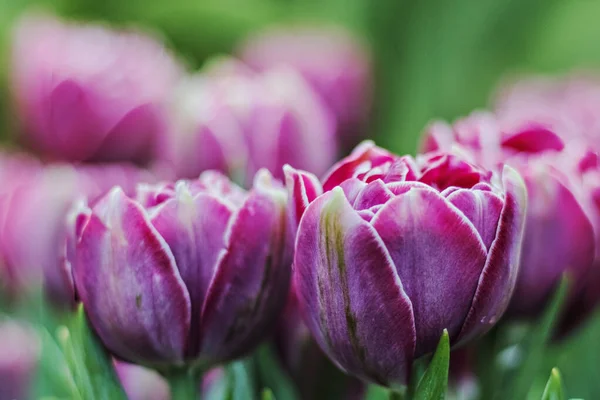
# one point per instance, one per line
(183, 384)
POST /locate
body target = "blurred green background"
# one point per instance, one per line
(433, 58)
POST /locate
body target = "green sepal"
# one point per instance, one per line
(434, 383)
(554, 389)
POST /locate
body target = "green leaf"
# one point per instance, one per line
(90, 364)
(240, 381)
(267, 395)
(376, 392)
(554, 389)
(272, 375)
(535, 344)
(434, 383)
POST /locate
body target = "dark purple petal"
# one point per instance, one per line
(251, 283)
(351, 297)
(127, 279)
(438, 255)
(482, 208)
(498, 278)
(194, 229)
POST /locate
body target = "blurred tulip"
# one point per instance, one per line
(567, 106)
(34, 205)
(85, 92)
(237, 121)
(337, 66)
(395, 250)
(19, 353)
(192, 271)
(559, 235)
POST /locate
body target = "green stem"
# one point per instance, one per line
(184, 385)
(395, 395)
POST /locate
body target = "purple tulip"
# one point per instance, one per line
(34, 213)
(559, 234)
(19, 353)
(237, 121)
(337, 66)
(85, 92)
(191, 271)
(396, 250)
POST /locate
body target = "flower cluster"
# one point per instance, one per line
(185, 213)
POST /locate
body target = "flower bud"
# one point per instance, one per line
(337, 66)
(396, 250)
(192, 271)
(85, 92)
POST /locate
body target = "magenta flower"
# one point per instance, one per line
(559, 234)
(85, 92)
(337, 66)
(34, 212)
(191, 271)
(396, 250)
(238, 122)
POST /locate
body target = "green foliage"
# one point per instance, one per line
(554, 388)
(434, 383)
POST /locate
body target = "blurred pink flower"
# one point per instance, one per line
(337, 65)
(237, 121)
(85, 92)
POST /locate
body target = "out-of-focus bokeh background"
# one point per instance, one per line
(432, 59)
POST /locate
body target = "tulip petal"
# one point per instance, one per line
(482, 208)
(127, 279)
(439, 257)
(499, 275)
(374, 194)
(558, 237)
(364, 157)
(303, 187)
(251, 282)
(351, 297)
(194, 229)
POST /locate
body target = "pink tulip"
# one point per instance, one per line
(336, 64)
(85, 92)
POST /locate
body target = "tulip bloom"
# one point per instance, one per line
(34, 212)
(395, 250)
(559, 234)
(191, 271)
(85, 92)
(238, 122)
(336, 65)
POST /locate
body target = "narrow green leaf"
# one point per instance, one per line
(272, 375)
(90, 364)
(535, 343)
(554, 389)
(434, 383)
